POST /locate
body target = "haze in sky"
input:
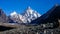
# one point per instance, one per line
(41, 6)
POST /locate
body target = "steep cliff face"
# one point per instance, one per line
(3, 17)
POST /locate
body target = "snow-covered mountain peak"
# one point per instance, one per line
(31, 14)
(13, 13)
(25, 17)
(29, 10)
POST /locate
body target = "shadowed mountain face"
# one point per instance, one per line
(3, 17)
(51, 16)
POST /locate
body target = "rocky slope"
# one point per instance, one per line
(3, 17)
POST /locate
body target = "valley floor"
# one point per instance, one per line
(28, 29)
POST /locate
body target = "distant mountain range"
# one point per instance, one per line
(26, 17)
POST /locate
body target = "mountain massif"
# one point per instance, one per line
(26, 17)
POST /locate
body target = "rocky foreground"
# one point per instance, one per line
(28, 29)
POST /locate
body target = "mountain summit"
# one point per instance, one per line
(31, 14)
(26, 17)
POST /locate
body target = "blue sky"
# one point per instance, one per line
(41, 6)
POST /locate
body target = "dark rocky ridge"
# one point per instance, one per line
(51, 16)
(3, 17)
